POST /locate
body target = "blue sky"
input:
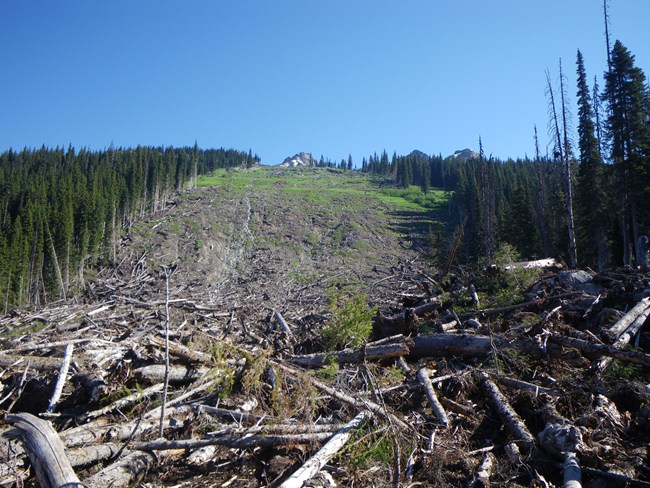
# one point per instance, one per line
(331, 77)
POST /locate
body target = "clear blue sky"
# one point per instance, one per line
(331, 77)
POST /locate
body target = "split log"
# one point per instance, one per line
(602, 350)
(45, 449)
(509, 417)
(155, 373)
(425, 381)
(352, 355)
(320, 459)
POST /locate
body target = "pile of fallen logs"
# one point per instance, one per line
(138, 385)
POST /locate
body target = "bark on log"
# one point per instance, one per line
(46, 451)
(461, 345)
(92, 453)
(425, 381)
(602, 350)
(352, 356)
(318, 460)
(155, 373)
(513, 423)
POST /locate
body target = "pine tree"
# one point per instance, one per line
(628, 133)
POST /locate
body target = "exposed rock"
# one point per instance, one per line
(579, 280)
(300, 159)
(465, 154)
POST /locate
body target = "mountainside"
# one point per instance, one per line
(270, 308)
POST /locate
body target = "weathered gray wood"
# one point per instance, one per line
(373, 353)
(60, 382)
(45, 449)
(155, 373)
(320, 459)
(624, 322)
(572, 476)
(124, 473)
(511, 420)
(439, 412)
(122, 402)
(233, 441)
(602, 350)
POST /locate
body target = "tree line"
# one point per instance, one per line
(597, 191)
(63, 210)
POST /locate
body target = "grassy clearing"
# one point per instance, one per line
(322, 186)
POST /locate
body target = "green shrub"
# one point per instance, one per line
(351, 323)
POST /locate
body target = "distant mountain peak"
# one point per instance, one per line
(300, 159)
(465, 154)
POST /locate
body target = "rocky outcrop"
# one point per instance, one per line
(300, 159)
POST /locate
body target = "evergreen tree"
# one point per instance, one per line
(626, 96)
(592, 202)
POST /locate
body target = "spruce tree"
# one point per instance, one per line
(626, 96)
(592, 203)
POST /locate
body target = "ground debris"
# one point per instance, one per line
(455, 389)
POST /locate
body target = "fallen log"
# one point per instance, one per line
(122, 402)
(602, 350)
(320, 459)
(425, 381)
(373, 353)
(155, 373)
(624, 322)
(123, 473)
(572, 476)
(513, 423)
(45, 449)
(524, 385)
(553, 263)
(60, 382)
(183, 352)
(35, 362)
(235, 442)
